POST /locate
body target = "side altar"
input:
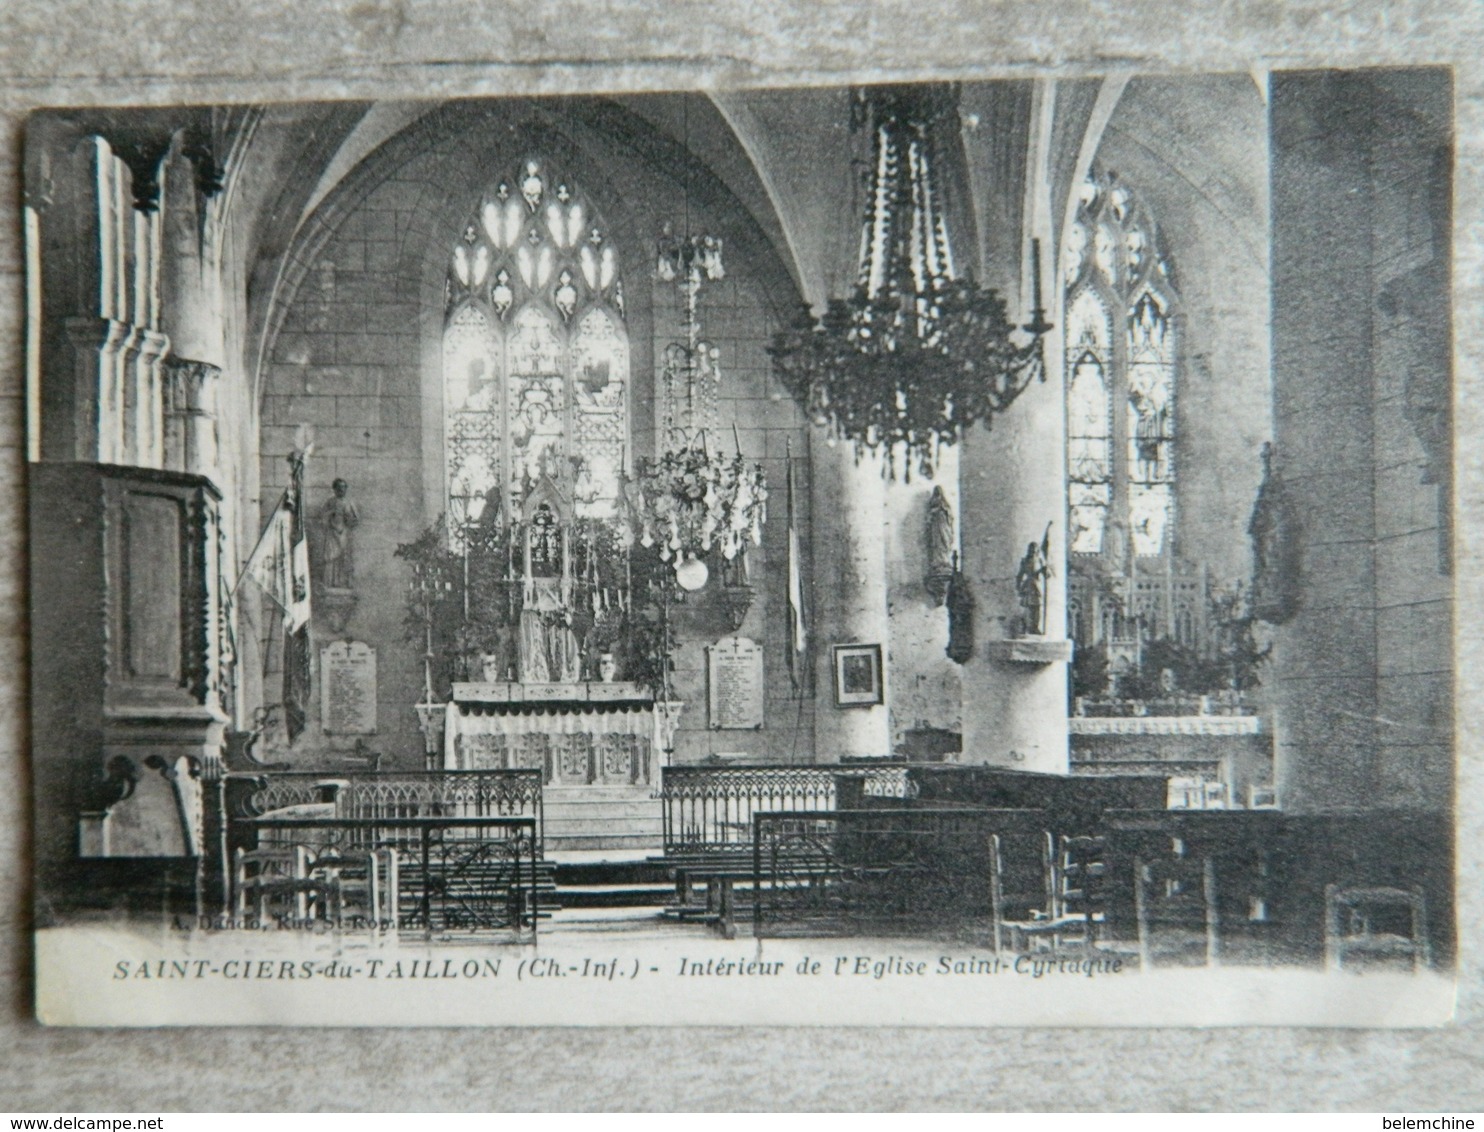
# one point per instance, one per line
(577, 734)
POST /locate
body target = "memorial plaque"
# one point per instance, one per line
(348, 705)
(734, 671)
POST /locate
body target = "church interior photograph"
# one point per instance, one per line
(1015, 512)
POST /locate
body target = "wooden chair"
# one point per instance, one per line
(275, 880)
(1052, 897)
(1021, 890)
(1376, 924)
(362, 884)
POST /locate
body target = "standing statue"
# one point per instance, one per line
(340, 518)
(960, 600)
(940, 546)
(1030, 585)
(548, 648)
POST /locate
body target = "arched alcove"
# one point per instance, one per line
(1194, 149)
(356, 348)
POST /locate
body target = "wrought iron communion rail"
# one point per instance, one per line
(412, 794)
(711, 808)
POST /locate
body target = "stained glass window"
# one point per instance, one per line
(1089, 422)
(535, 353)
(1151, 387)
(1120, 386)
(600, 367)
(472, 432)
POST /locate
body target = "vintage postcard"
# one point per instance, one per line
(932, 553)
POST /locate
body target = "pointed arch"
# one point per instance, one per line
(1123, 476)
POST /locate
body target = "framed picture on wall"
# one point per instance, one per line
(857, 675)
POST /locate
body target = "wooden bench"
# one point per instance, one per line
(718, 872)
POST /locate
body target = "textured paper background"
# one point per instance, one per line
(156, 51)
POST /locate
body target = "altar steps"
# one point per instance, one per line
(612, 884)
(626, 820)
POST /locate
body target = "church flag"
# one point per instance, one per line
(296, 659)
(798, 634)
(279, 566)
(269, 565)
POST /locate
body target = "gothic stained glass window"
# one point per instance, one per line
(1089, 422)
(472, 432)
(535, 353)
(1151, 387)
(535, 400)
(600, 368)
(1120, 386)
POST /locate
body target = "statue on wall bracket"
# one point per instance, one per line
(737, 588)
(960, 601)
(941, 543)
(1030, 586)
(339, 518)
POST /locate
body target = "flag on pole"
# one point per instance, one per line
(798, 634)
(279, 566)
(270, 566)
(296, 670)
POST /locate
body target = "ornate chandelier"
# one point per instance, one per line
(694, 497)
(915, 355)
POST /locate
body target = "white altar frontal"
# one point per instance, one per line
(576, 734)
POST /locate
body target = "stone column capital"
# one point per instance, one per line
(188, 380)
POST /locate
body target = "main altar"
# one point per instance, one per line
(550, 633)
(576, 734)
(542, 598)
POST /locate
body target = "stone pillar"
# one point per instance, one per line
(145, 422)
(1362, 667)
(1012, 483)
(847, 502)
(1325, 655)
(190, 443)
(191, 314)
(925, 696)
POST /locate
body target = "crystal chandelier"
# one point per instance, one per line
(916, 355)
(694, 497)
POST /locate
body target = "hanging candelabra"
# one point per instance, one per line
(694, 497)
(916, 354)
